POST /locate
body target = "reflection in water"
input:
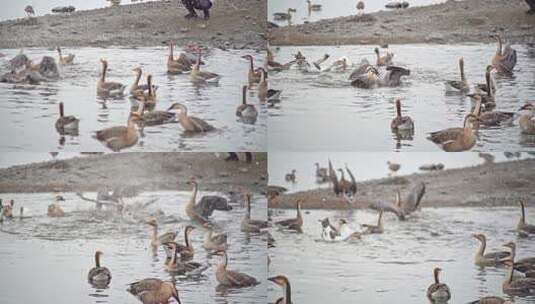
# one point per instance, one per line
(395, 266)
(31, 110)
(58, 252)
(321, 111)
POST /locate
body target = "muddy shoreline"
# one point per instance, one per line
(497, 184)
(234, 24)
(145, 171)
(446, 23)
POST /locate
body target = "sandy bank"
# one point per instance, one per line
(234, 24)
(450, 22)
(148, 171)
(499, 184)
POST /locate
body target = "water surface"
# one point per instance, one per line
(47, 255)
(323, 112)
(396, 267)
(30, 111)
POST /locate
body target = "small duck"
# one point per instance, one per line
(66, 124)
(504, 60)
(232, 278)
(217, 242)
(456, 85)
(99, 275)
(284, 283)
(401, 123)
(290, 177)
(65, 60)
(456, 139)
(108, 88)
(190, 123)
(438, 292)
(198, 76)
(383, 60)
(153, 291)
(120, 137)
(293, 223)
(246, 111)
(375, 229)
(489, 259)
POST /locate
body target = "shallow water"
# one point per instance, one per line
(323, 112)
(30, 111)
(396, 267)
(57, 253)
(329, 9)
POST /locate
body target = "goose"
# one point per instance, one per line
(348, 188)
(29, 11)
(313, 7)
(179, 65)
(488, 84)
(519, 286)
(157, 240)
(263, 86)
(525, 265)
(108, 88)
(322, 174)
(253, 76)
(527, 119)
(246, 110)
(329, 231)
(456, 139)
(120, 137)
(66, 124)
(273, 96)
(54, 209)
(284, 283)
(375, 229)
(392, 77)
(360, 8)
(504, 60)
(456, 85)
(190, 123)
(369, 80)
(149, 98)
(187, 251)
(438, 292)
(215, 242)
(191, 212)
(491, 118)
(273, 65)
(284, 16)
(339, 65)
(248, 224)
(198, 76)
(523, 227)
(383, 60)
(290, 177)
(136, 88)
(489, 259)
(99, 275)
(403, 208)
(401, 123)
(293, 223)
(65, 60)
(7, 210)
(155, 118)
(178, 266)
(154, 291)
(230, 278)
(488, 99)
(393, 167)
(360, 70)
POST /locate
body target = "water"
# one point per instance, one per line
(323, 112)
(329, 9)
(30, 111)
(365, 166)
(57, 253)
(396, 267)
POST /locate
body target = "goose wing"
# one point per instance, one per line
(158, 117)
(414, 198)
(287, 222)
(112, 86)
(201, 124)
(241, 279)
(110, 132)
(508, 60)
(446, 135)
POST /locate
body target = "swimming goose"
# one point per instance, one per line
(329, 231)
(361, 69)
(527, 119)
(154, 291)
(7, 210)
(525, 265)
(401, 123)
(369, 80)
(273, 97)
(293, 223)
(248, 224)
(456, 85)
(488, 99)
(284, 16)
(215, 242)
(392, 77)
(263, 86)
(488, 84)
(489, 259)
(504, 60)
(322, 174)
(66, 124)
(523, 227)
(178, 266)
(339, 65)
(108, 88)
(490, 300)
(491, 118)
(157, 240)
(54, 209)
(456, 139)
(272, 65)
(253, 76)
(519, 286)
(313, 7)
(187, 251)
(375, 229)
(199, 76)
(284, 283)
(190, 123)
(136, 88)
(148, 98)
(120, 137)
(232, 278)
(65, 60)
(98, 275)
(438, 292)
(383, 60)
(154, 118)
(179, 65)
(245, 110)
(190, 206)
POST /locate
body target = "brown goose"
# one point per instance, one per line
(383, 60)
(488, 259)
(246, 110)
(99, 275)
(148, 98)
(155, 117)
(293, 223)
(65, 60)
(375, 229)
(154, 291)
(198, 76)
(157, 240)
(284, 283)
(66, 124)
(438, 292)
(190, 206)
(491, 118)
(178, 65)
(178, 266)
(487, 100)
(456, 85)
(527, 119)
(519, 286)
(108, 88)
(523, 227)
(488, 84)
(230, 278)
(120, 137)
(263, 86)
(215, 242)
(524, 265)
(253, 76)
(136, 88)
(456, 139)
(401, 123)
(248, 224)
(504, 60)
(190, 123)
(187, 251)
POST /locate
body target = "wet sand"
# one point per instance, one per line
(450, 22)
(234, 24)
(146, 171)
(497, 184)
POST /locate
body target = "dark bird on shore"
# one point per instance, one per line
(29, 11)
